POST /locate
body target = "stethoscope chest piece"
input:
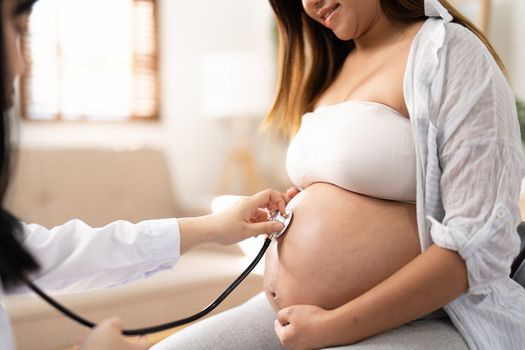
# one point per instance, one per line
(285, 220)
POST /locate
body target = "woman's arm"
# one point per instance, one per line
(475, 165)
(427, 283)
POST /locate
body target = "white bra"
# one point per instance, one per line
(364, 147)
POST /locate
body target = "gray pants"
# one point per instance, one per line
(250, 326)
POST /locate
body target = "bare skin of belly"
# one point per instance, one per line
(340, 244)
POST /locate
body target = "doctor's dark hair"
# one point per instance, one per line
(15, 261)
(310, 56)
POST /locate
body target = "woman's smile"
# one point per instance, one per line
(326, 13)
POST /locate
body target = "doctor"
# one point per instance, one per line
(76, 257)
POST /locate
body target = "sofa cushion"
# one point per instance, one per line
(50, 187)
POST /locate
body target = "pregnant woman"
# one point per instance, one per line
(406, 147)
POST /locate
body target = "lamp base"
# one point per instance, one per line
(239, 174)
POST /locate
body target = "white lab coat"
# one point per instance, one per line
(77, 257)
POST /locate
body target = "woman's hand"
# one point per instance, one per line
(108, 336)
(291, 192)
(301, 327)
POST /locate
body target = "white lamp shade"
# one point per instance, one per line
(236, 84)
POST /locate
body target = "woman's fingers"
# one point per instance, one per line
(279, 329)
(292, 192)
(283, 316)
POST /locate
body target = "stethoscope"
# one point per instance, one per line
(285, 220)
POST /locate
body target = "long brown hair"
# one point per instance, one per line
(310, 56)
(15, 260)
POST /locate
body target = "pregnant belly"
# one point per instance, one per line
(339, 245)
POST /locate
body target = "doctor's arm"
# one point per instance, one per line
(247, 217)
(77, 257)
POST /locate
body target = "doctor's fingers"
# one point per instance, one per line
(141, 342)
(108, 336)
(270, 199)
(260, 215)
(266, 227)
(110, 324)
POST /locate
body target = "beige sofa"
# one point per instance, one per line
(99, 186)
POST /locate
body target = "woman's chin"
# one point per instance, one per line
(344, 36)
(344, 33)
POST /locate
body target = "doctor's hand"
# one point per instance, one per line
(248, 217)
(301, 327)
(107, 336)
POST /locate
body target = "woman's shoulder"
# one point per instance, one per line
(451, 37)
(460, 40)
(456, 32)
(457, 48)
(452, 63)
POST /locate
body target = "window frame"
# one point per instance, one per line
(153, 118)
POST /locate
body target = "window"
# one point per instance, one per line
(91, 60)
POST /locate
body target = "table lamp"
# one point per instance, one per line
(237, 89)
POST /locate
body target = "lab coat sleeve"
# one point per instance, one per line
(481, 160)
(76, 257)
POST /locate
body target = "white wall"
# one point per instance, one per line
(190, 31)
(507, 33)
(519, 45)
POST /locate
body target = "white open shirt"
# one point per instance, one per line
(470, 166)
(76, 257)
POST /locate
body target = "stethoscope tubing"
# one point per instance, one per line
(162, 327)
